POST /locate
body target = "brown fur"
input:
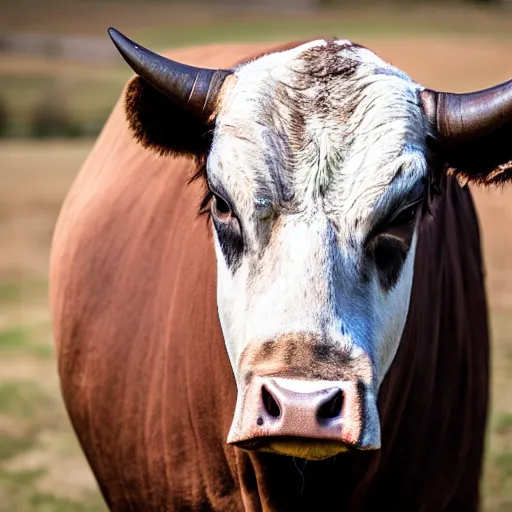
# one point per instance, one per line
(147, 382)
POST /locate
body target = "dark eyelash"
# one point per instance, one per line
(389, 219)
(204, 206)
(415, 204)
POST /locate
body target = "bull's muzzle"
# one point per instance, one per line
(305, 418)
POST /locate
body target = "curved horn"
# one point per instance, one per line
(459, 118)
(194, 89)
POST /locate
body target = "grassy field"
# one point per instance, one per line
(41, 466)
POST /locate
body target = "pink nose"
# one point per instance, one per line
(318, 410)
(314, 411)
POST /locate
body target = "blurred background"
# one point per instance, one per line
(59, 78)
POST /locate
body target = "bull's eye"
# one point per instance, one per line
(401, 224)
(405, 217)
(390, 243)
(228, 229)
(220, 207)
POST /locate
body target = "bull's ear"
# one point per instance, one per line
(474, 132)
(170, 106)
(485, 161)
(162, 126)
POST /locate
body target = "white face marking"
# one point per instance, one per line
(314, 148)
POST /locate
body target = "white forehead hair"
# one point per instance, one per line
(331, 119)
(254, 77)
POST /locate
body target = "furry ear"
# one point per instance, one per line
(485, 161)
(162, 126)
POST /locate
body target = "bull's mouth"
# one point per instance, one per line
(303, 448)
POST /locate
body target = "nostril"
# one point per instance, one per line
(332, 408)
(270, 403)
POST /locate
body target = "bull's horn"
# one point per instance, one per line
(459, 118)
(194, 89)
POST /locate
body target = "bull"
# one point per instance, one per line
(317, 337)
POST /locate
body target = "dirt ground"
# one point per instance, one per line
(41, 466)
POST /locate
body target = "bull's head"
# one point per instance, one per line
(318, 160)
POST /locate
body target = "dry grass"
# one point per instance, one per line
(41, 465)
